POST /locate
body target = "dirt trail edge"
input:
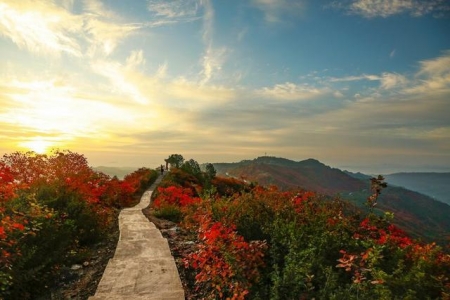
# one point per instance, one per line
(143, 266)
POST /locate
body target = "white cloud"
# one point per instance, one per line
(214, 57)
(355, 78)
(392, 80)
(41, 27)
(199, 95)
(290, 91)
(44, 27)
(163, 93)
(212, 63)
(116, 73)
(436, 67)
(135, 59)
(387, 80)
(178, 9)
(277, 10)
(433, 76)
(104, 29)
(386, 8)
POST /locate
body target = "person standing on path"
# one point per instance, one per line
(162, 170)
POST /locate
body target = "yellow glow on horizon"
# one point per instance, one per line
(38, 145)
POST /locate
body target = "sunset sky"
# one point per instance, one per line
(362, 85)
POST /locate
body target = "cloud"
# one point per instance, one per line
(41, 27)
(432, 77)
(117, 74)
(103, 29)
(157, 89)
(212, 63)
(387, 8)
(135, 59)
(436, 67)
(276, 11)
(392, 54)
(355, 78)
(178, 9)
(173, 12)
(392, 80)
(387, 80)
(214, 57)
(44, 27)
(290, 91)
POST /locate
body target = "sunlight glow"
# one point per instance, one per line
(38, 145)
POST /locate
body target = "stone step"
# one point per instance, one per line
(143, 276)
(132, 216)
(139, 232)
(142, 225)
(166, 295)
(143, 248)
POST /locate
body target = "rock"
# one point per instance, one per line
(76, 267)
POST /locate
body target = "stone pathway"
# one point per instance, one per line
(142, 266)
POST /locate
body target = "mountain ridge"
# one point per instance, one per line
(418, 214)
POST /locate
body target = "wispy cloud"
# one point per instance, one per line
(213, 60)
(433, 76)
(276, 11)
(355, 78)
(386, 8)
(103, 29)
(387, 80)
(116, 73)
(392, 80)
(44, 27)
(181, 10)
(135, 59)
(392, 54)
(159, 90)
(214, 57)
(290, 91)
(41, 27)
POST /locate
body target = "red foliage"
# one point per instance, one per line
(63, 172)
(174, 195)
(227, 265)
(7, 184)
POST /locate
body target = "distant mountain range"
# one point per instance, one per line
(418, 214)
(435, 185)
(120, 172)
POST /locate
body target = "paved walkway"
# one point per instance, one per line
(142, 266)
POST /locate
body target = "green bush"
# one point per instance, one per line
(169, 212)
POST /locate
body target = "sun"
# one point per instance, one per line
(38, 145)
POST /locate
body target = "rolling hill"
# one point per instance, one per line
(115, 171)
(420, 215)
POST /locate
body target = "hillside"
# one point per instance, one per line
(435, 185)
(418, 214)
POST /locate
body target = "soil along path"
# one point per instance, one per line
(143, 266)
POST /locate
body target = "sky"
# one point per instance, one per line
(362, 85)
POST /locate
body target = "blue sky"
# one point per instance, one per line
(362, 85)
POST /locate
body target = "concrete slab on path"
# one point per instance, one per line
(143, 266)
